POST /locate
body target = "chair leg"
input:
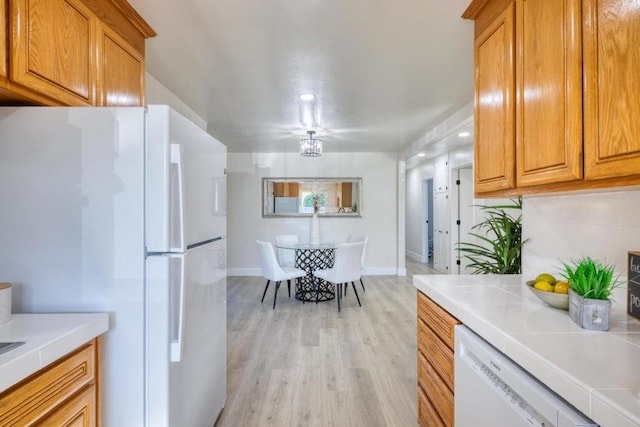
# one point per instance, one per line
(353, 284)
(338, 292)
(345, 289)
(362, 283)
(289, 287)
(275, 295)
(265, 291)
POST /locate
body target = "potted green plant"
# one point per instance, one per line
(500, 240)
(591, 284)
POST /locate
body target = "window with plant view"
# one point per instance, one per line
(307, 201)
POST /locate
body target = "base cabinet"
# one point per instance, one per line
(435, 364)
(79, 411)
(61, 394)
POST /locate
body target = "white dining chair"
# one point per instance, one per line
(272, 271)
(346, 268)
(365, 239)
(286, 257)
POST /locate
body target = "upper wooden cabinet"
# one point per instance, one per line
(495, 103)
(573, 123)
(611, 36)
(3, 41)
(286, 189)
(73, 52)
(549, 92)
(53, 49)
(121, 78)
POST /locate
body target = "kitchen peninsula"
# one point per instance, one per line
(52, 376)
(596, 372)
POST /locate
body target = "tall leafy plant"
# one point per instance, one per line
(499, 237)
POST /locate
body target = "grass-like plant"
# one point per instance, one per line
(590, 278)
(500, 236)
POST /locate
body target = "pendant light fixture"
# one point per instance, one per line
(310, 146)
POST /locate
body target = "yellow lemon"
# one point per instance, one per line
(543, 286)
(561, 287)
(546, 277)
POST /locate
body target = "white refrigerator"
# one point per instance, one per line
(123, 210)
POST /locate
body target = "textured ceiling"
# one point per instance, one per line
(384, 72)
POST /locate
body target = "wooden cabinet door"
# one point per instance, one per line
(549, 92)
(3, 39)
(53, 50)
(441, 247)
(39, 395)
(611, 44)
(347, 194)
(427, 414)
(121, 71)
(80, 411)
(494, 105)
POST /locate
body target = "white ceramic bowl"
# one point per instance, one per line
(553, 299)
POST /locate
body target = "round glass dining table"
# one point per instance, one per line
(310, 257)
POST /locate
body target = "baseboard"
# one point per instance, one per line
(414, 255)
(368, 271)
(380, 271)
(252, 272)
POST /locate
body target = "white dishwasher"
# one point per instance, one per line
(492, 390)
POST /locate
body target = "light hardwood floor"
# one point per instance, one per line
(308, 365)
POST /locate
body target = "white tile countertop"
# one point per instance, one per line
(597, 372)
(47, 337)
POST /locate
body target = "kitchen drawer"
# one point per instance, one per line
(439, 356)
(427, 415)
(78, 411)
(437, 318)
(438, 393)
(39, 394)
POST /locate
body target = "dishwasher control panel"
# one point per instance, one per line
(491, 389)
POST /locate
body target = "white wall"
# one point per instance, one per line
(157, 93)
(601, 225)
(379, 219)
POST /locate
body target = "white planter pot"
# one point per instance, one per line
(589, 313)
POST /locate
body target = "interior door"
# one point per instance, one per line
(441, 232)
(465, 212)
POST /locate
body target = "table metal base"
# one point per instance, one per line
(312, 287)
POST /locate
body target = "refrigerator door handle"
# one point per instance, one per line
(177, 308)
(176, 159)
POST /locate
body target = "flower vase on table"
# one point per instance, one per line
(315, 223)
(315, 230)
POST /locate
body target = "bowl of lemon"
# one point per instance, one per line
(551, 291)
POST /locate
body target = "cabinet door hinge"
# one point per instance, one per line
(457, 182)
(457, 222)
(458, 262)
